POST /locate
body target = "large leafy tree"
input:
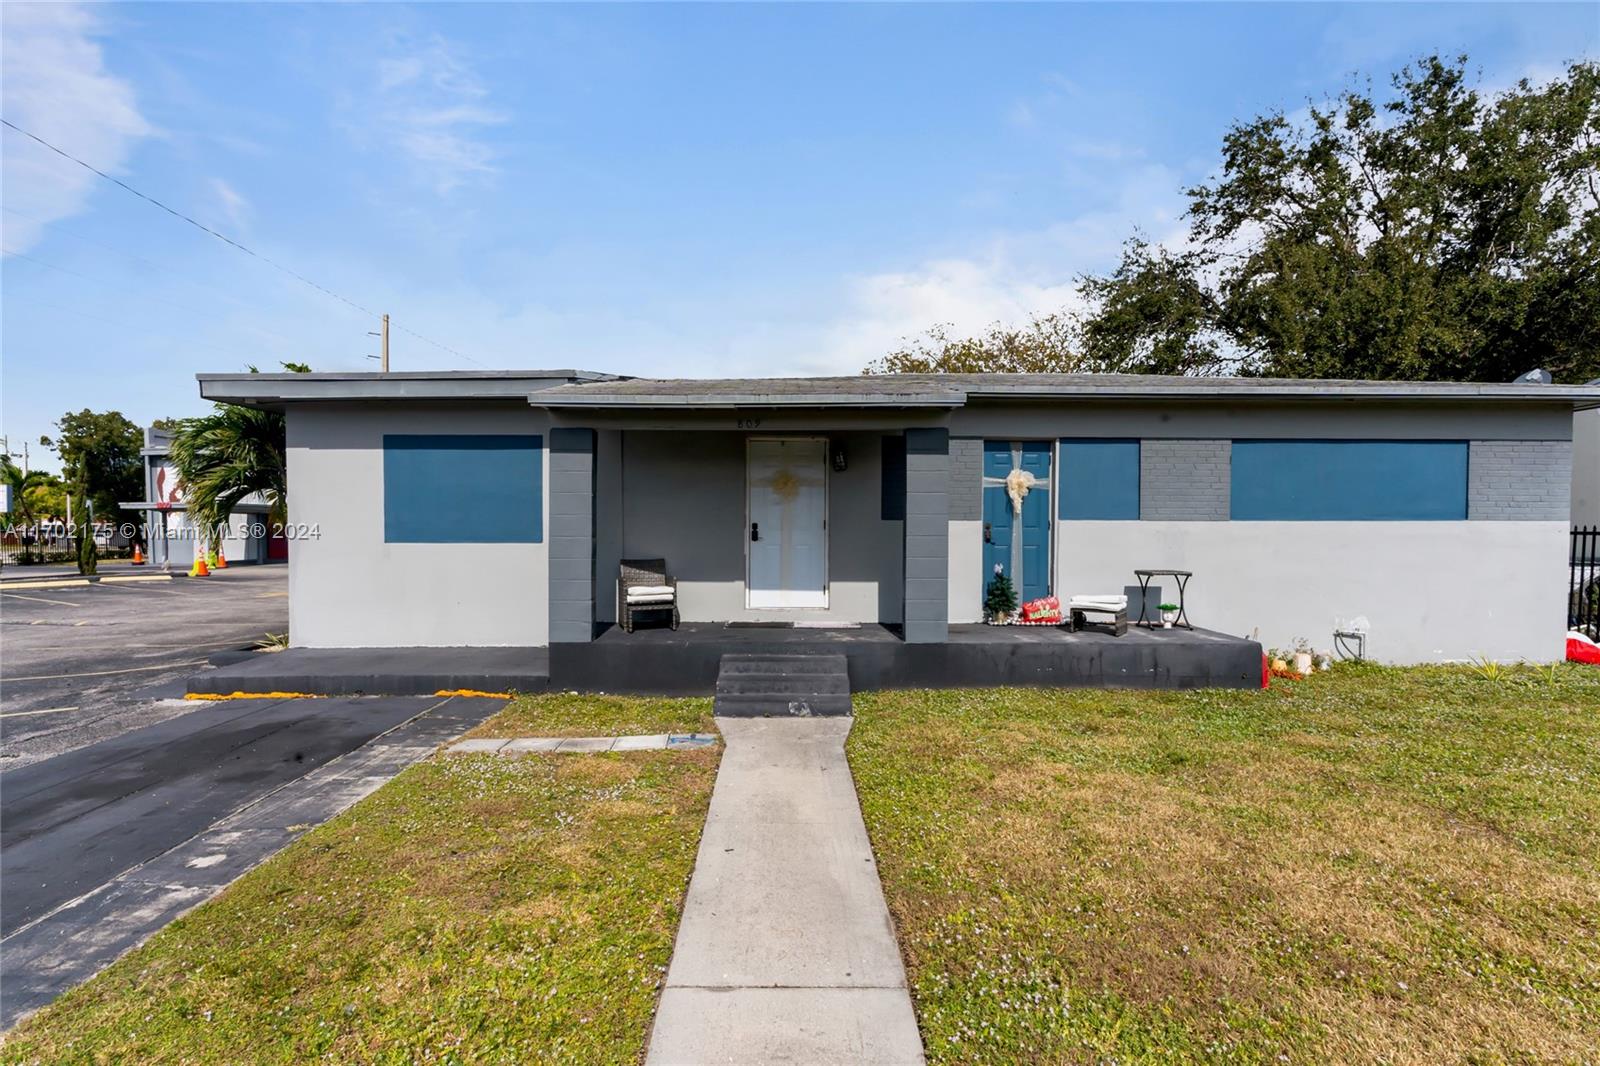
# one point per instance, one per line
(229, 454)
(1045, 345)
(100, 462)
(1428, 231)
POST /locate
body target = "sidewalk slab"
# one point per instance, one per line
(786, 951)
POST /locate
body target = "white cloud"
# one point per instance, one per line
(1018, 276)
(55, 85)
(234, 207)
(433, 107)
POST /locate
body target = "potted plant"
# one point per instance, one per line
(1169, 615)
(1302, 656)
(1001, 599)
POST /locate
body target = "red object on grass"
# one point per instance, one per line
(1266, 671)
(1580, 649)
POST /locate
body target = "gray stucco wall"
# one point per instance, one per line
(683, 499)
(1293, 579)
(1586, 468)
(1433, 591)
(348, 589)
(1524, 481)
(570, 489)
(966, 479)
(1185, 480)
(927, 536)
(608, 522)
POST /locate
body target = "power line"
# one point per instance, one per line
(229, 240)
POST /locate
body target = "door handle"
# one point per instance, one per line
(988, 533)
(755, 531)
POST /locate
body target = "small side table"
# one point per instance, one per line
(1144, 577)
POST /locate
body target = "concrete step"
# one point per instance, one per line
(800, 684)
(751, 685)
(770, 706)
(750, 663)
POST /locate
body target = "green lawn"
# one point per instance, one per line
(1372, 865)
(566, 714)
(478, 908)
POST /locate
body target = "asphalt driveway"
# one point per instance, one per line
(86, 662)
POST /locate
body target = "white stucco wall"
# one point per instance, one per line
(683, 499)
(966, 571)
(1586, 468)
(1433, 591)
(349, 589)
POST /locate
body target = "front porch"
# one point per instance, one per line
(686, 661)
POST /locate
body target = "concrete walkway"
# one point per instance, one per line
(583, 745)
(786, 952)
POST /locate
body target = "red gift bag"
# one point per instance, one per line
(1046, 610)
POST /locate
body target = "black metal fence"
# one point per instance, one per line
(1583, 590)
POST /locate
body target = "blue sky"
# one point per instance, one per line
(665, 190)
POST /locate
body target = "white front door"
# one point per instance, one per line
(787, 537)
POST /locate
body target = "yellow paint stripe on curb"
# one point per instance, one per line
(136, 577)
(252, 696)
(473, 692)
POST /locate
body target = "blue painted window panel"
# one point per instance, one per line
(1099, 479)
(1345, 480)
(893, 505)
(463, 488)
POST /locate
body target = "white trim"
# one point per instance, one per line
(791, 600)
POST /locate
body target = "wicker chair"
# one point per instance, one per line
(639, 588)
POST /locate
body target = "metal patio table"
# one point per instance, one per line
(1144, 577)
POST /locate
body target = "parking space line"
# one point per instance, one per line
(103, 673)
(40, 599)
(47, 710)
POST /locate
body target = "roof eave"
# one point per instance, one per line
(717, 403)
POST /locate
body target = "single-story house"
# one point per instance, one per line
(457, 509)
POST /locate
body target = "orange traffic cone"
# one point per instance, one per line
(222, 560)
(199, 568)
(138, 556)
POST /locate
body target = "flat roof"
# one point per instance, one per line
(272, 390)
(587, 389)
(956, 390)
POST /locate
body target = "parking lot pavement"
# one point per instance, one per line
(103, 845)
(83, 663)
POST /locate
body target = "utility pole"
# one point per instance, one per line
(386, 344)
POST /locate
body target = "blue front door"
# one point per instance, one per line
(1020, 548)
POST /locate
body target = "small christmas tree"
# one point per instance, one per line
(1002, 598)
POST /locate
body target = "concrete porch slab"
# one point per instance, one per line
(381, 671)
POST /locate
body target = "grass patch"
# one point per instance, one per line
(476, 909)
(1370, 865)
(568, 714)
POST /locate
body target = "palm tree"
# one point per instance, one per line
(228, 455)
(225, 456)
(20, 483)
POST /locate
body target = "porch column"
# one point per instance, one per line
(927, 533)
(571, 539)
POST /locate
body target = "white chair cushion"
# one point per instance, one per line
(1098, 603)
(649, 590)
(638, 600)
